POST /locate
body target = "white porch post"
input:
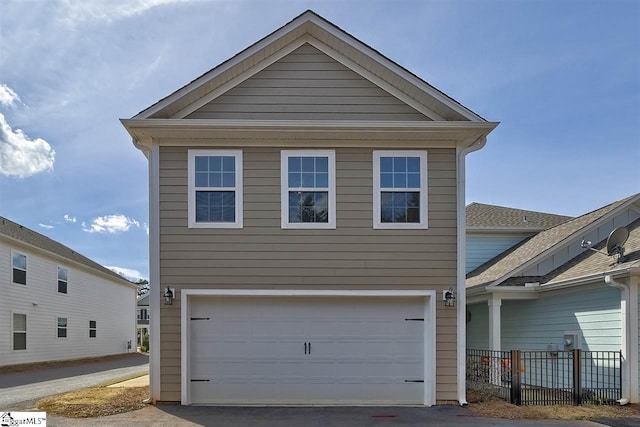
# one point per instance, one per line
(632, 356)
(495, 302)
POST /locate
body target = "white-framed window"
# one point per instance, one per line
(62, 327)
(19, 329)
(215, 188)
(93, 328)
(308, 188)
(19, 268)
(400, 189)
(62, 280)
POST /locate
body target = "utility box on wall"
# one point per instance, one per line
(571, 340)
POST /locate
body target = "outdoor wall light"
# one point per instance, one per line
(449, 298)
(169, 294)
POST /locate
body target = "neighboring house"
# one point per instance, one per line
(492, 230)
(57, 304)
(548, 288)
(307, 209)
(142, 309)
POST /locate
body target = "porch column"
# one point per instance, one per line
(495, 302)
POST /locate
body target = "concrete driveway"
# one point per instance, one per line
(184, 416)
(21, 390)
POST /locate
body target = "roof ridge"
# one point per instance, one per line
(82, 259)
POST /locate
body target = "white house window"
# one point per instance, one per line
(215, 188)
(19, 331)
(92, 328)
(19, 264)
(308, 189)
(143, 314)
(400, 189)
(62, 280)
(62, 327)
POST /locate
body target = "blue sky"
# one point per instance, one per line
(562, 77)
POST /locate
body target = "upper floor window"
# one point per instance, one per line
(62, 280)
(92, 329)
(308, 193)
(400, 189)
(215, 188)
(62, 327)
(19, 264)
(143, 314)
(19, 331)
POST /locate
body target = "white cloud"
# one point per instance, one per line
(22, 156)
(129, 273)
(110, 224)
(48, 227)
(8, 97)
(68, 218)
(108, 10)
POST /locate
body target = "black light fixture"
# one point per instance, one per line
(169, 294)
(449, 298)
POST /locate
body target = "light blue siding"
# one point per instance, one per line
(481, 248)
(594, 312)
(478, 326)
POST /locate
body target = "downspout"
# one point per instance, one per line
(624, 312)
(461, 329)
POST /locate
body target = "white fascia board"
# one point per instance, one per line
(216, 71)
(514, 293)
(397, 69)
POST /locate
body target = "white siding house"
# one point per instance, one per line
(548, 287)
(58, 304)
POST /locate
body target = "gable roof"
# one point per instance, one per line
(511, 261)
(591, 263)
(16, 232)
(483, 217)
(311, 28)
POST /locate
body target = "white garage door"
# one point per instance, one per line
(346, 350)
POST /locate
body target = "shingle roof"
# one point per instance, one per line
(23, 234)
(590, 262)
(515, 257)
(486, 217)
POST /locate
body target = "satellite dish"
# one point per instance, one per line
(616, 239)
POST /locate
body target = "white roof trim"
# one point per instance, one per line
(332, 30)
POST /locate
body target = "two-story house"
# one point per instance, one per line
(307, 228)
(58, 304)
(142, 309)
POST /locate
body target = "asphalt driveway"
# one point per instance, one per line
(185, 416)
(21, 390)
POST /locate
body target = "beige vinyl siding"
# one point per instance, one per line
(262, 255)
(307, 85)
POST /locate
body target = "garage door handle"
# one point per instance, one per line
(309, 348)
(305, 348)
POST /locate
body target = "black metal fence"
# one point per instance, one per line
(547, 377)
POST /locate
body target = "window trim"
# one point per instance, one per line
(93, 329)
(14, 331)
(58, 327)
(191, 167)
(66, 282)
(377, 223)
(284, 189)
(26, 263)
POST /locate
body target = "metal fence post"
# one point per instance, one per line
(577, 376)
(516, 396)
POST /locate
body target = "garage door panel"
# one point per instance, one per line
(306, 350)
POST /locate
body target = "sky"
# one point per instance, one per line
(561, 76)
